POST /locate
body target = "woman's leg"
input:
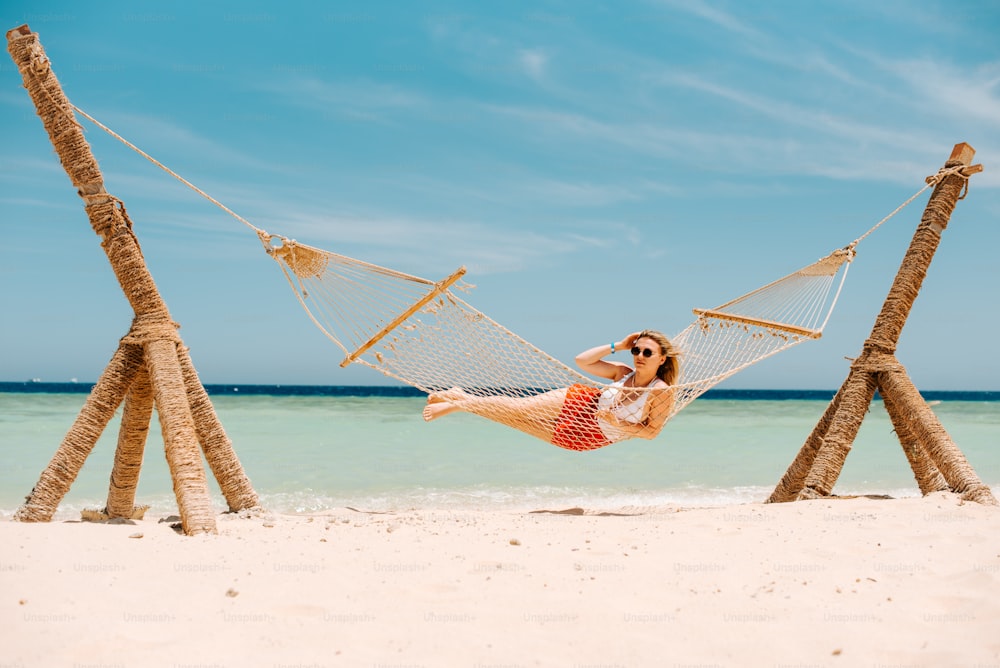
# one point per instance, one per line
(535, 414)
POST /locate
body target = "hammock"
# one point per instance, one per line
(421, 333)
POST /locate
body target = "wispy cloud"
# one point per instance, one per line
(747, 153)
(16, 166)
(713, 15)
(423, 245)
(829, 122)
(974, 96)
(588, 194)
(533, 62)
(157, 136)
(645, 138)
(359, 99)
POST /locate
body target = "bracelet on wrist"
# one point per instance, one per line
(612, 348)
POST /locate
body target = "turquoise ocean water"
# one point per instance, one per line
(311, 449)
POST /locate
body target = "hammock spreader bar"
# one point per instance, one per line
(770, 324)
(419, 304)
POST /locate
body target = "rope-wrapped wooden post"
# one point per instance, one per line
(180, 439)
(794, 479)
(934, 439)
(131, 444)
(837, 440)
(105, 397)
(936, 461)
(219, 452)
(153, 334)
(926, 473)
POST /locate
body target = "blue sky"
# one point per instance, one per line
(598, 167)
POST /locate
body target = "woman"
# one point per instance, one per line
(582, 417)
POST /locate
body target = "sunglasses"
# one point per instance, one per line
(646, 352)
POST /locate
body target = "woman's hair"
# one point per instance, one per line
(670, 370)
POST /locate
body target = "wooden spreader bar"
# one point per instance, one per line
(759, 322)
(401, 318)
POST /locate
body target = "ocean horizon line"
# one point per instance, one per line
(280, 389)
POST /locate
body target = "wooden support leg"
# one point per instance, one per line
(179, 437)
(793, 481)
(97, 411)
(131, 444)
(929, 479)
(858, 391)
(948, 459)
(219, 452)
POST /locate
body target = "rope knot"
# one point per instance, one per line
(957, 170)
(152, 327)
(39, 62)
(961, 170)
(111, 218)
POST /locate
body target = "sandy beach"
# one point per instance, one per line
(838, 582)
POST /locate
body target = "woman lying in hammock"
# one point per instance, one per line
(586, 417)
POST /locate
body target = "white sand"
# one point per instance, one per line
(840, 582)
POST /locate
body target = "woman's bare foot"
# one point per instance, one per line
(435, 410)
(442, 403)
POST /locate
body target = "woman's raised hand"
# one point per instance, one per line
(630, 340)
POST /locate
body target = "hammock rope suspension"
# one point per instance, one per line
(421, 333)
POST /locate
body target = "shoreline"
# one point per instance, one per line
(38, 386)
(840, 581)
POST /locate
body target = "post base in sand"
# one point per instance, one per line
(93, 515)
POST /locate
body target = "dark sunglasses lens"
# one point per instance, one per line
(646, 352)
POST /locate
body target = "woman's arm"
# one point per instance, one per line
(592, 360)
(661, 400)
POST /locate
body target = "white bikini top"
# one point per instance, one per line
(631, 412)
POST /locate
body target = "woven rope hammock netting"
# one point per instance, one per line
(421, 333)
